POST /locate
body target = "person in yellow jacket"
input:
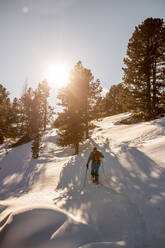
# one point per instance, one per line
(95, 156)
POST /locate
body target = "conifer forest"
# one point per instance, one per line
(141, 92)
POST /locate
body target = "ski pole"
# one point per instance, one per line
(85, 177)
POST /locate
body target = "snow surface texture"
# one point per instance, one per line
(46, 202)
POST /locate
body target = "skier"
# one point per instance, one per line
(95, 156)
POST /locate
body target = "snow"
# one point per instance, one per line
(44, 203)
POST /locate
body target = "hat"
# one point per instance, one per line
(95, 148)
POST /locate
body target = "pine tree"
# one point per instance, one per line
(94, 97)
(87, 91)
(78, 100)
(15, 117)
(41, 115)
(4, 113)
(43, 92)
(81, 94)
(114, 102)
(36, 146)
(36, 117)
(99, 108)
(144, 71)
(8, 128)
(26, 113)
(72, 132)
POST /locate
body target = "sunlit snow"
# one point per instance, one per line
(46, 202)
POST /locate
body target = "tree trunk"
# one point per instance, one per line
(87, 130)
(148, 105)
(45, 115)
(87, 118)
(76, 146)
(154, 100)
(148, 93)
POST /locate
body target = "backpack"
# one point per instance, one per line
(96, 157)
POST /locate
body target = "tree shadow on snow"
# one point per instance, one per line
(139, 178)
(19, 179)
(88, 202)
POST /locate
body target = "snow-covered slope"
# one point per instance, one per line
(47, 203)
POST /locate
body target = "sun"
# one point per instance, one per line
(57, 75)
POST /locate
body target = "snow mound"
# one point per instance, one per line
(39, 227)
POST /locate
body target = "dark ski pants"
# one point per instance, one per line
(95, 170)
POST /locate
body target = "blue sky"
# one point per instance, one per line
(35, 33)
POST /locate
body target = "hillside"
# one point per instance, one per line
(46, 202)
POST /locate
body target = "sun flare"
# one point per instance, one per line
(57, 75)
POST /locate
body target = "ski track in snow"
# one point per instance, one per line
(124, 210)
(137, 221)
